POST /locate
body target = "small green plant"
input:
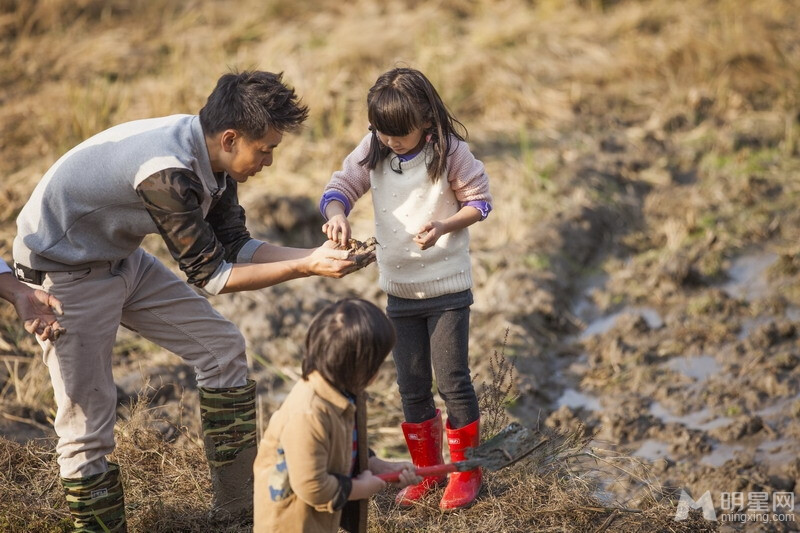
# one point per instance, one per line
(733, 410)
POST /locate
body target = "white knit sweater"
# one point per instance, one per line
(403, 203)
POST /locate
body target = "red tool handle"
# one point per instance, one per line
(422, 471)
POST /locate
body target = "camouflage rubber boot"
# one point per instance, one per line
(96, 502)
(229, 434)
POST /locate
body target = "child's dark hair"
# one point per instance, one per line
(347, 343)
(252, 102)
(401, 100)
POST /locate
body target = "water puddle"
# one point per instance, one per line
(792, 314)
(583, 307)
(722, 454)
(605, 323)
(782, 407)
(575, 399)
(702, 420)
(747, 275)
(776, 453)
(771, 453)
(751, 324)
(699, 367)
(653, 450)
(773, 446)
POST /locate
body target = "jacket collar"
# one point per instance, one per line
(328, 392)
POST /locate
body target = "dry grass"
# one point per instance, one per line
(708, 88)
(167, 489)
(521, 499)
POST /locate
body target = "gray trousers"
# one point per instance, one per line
(433, 337)
(142, 294)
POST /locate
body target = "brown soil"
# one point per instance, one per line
(641, 268)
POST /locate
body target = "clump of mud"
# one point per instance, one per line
(363, 253)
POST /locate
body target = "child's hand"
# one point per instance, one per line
(337, 228)
(366, 485)
(408, 475)
(429, 234)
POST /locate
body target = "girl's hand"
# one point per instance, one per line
(337, 228)
(429, 234)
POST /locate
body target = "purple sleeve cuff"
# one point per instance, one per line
(480, 205)
(328, 197)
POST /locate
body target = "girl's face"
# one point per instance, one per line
(407, 144)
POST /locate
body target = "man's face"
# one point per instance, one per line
(247, 157)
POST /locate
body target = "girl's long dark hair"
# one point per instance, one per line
(347, 342)
(401, 100)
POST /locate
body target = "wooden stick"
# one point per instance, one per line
(363, 455)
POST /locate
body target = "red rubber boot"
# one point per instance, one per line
(463, 487)
(424, 442)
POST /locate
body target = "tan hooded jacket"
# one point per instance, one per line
(307, 441)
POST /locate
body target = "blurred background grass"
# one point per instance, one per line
(696, 91)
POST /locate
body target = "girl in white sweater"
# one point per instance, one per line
(427, 188)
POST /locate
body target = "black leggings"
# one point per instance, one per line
(439, 338)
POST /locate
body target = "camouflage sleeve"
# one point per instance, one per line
(173, 199)
(227, 219)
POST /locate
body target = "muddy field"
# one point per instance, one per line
(641, 269)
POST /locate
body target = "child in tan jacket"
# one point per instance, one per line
(307, 454)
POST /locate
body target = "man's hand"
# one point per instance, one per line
(363, 253)
(331, 262)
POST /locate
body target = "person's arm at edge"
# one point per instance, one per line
(35, 307)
